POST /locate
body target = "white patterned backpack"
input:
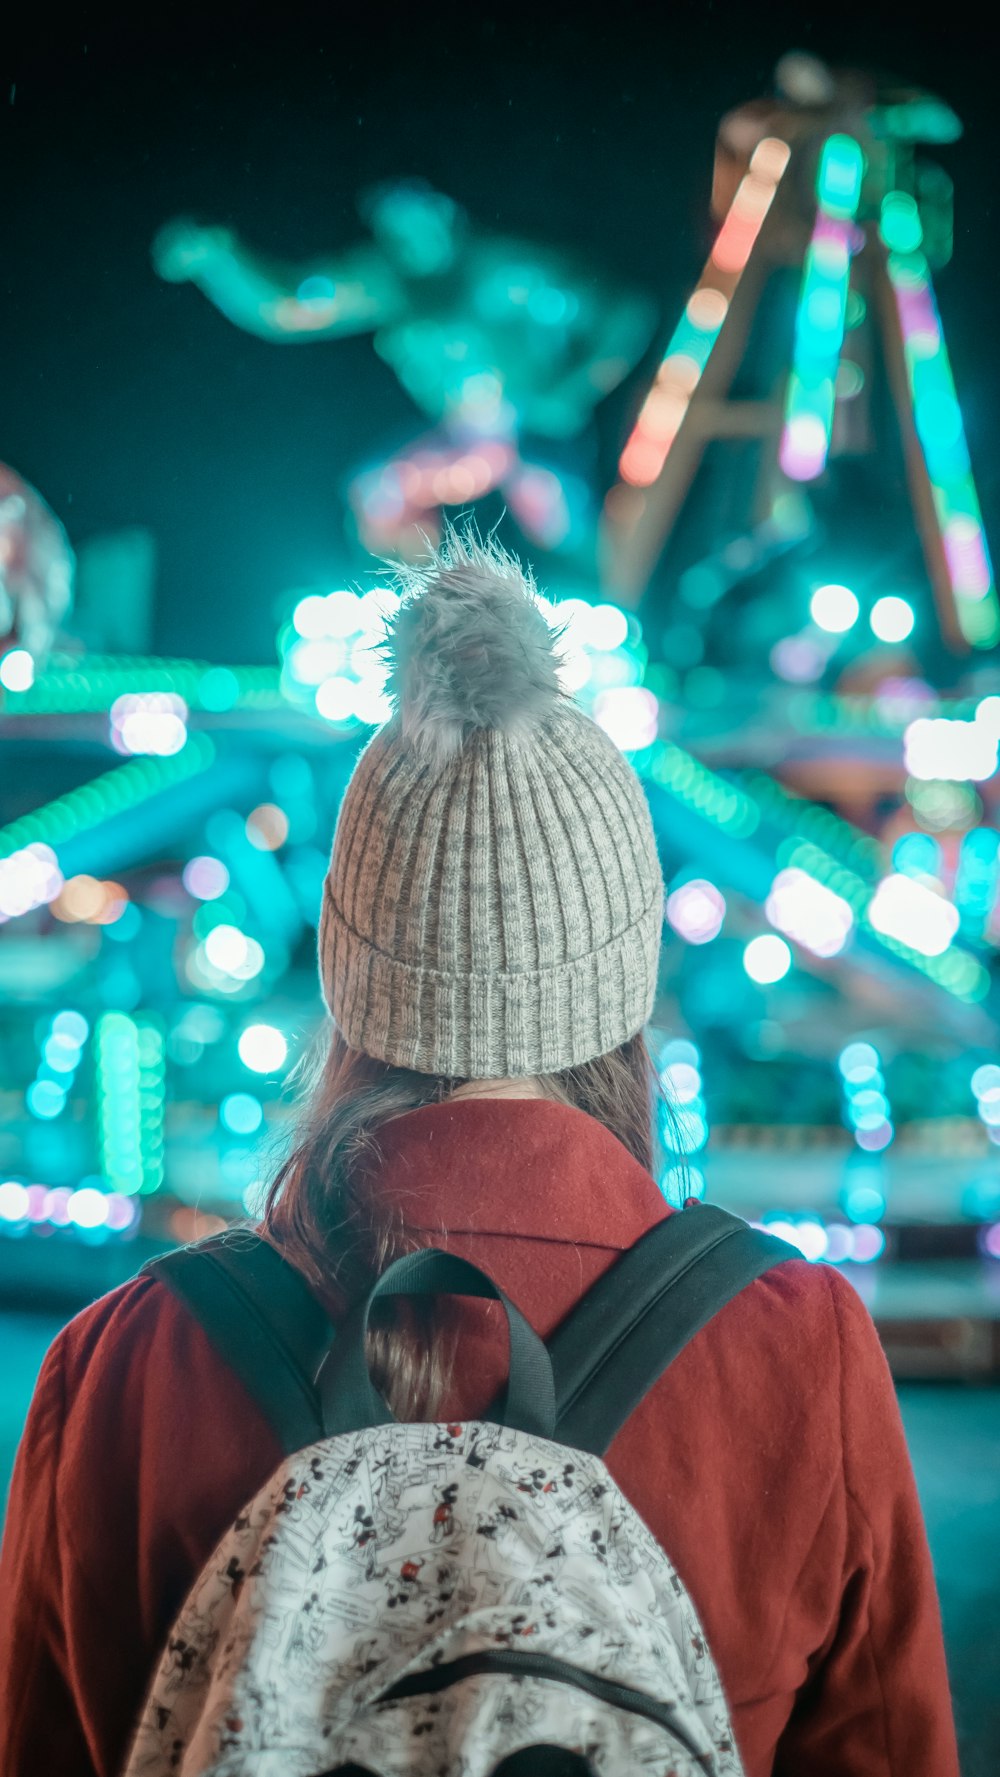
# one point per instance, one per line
(472, 1599)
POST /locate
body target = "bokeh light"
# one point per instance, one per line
(205, 878)
(241, 1113)
(629, 715)
(149, 722)
(767, 959)
(696, 910)
(263, 1049)
(809, 912)
(909, 911)
(892, 619)
(834, 608)
(267, 827)
(17, 670)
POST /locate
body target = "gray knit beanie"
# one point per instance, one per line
(494, 901)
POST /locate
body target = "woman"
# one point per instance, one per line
(488, 950)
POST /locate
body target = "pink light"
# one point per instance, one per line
(696, 911)
(641, 460)
(122, 1212)
(799, 659)
(831, 242)
(36, 1203)
(874, 1140)
(735, 240)
(803, 447)
(205, 878)
(57, 1206)
(868, 1244)
(919, 319)
(839, 1242)
(965, 551)
(989, 1240)
(662, 415)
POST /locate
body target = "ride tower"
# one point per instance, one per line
(813, 330)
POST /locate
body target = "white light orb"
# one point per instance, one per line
(834, 608)
(767, 959)
(891, 619)
(263, 1049)
(17, 670)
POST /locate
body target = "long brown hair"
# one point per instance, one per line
(318, 1213)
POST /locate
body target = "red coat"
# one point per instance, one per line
(769, 1461)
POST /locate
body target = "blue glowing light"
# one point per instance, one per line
(241, 1113)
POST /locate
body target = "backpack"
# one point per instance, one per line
(472, 1599)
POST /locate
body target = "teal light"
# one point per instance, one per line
(938, 420)
(45, 1099)
(863, 1203)
(917, 854)
(218, 689)
(840, 175)
(822, 312)
(316, 289)
(693, 339)
(113, 793)
(130, 1102)
(902, 230)
(71, 686)
(241, 1113)
(977, 878)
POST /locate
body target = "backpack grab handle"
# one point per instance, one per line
(350, 1401)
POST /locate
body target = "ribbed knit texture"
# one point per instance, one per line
(498, 915)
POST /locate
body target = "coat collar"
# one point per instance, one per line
(522, 1167)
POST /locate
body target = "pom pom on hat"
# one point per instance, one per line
(469, 648)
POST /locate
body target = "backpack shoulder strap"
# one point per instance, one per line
(263, 1320)
(618, 1341)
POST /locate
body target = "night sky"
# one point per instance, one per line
(131, 402)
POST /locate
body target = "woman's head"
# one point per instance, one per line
(492, 911)
(494, 901)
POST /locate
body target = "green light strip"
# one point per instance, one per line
(722, 803)
(112, 793)
(68, 686)
(131, 1091)
(803, 854)
(806, 821)
(956, 971)
(152, 1100)
(937, 417)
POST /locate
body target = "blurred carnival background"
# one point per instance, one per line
(706, 327)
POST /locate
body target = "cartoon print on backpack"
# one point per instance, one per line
(364, 1542)
(390, 1480)
(453, 1594)
(445, 1525)
(405, 1547)
(622, 1550)
(448, 1437)
(519, 1711)
(496, 1532)
(404, 1586)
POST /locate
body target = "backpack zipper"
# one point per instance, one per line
(514, 1663)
